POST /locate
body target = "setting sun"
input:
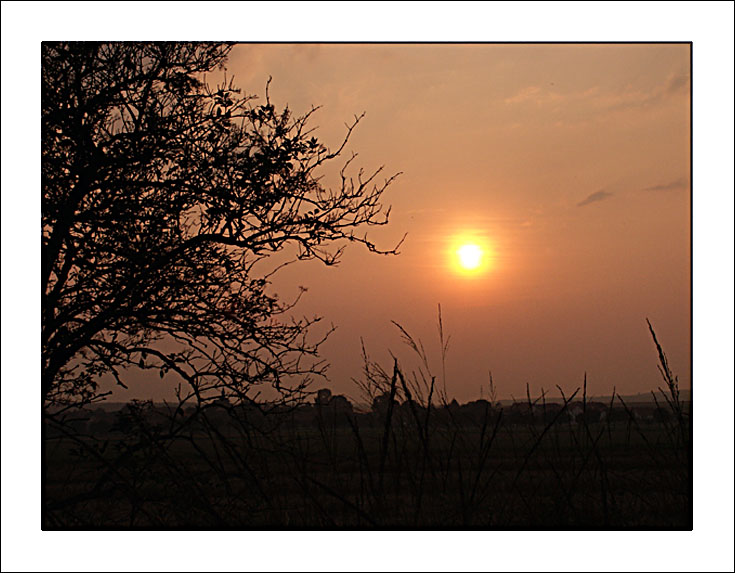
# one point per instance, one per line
(470, 256)
(470, 253)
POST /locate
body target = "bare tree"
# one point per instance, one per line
(161, 194)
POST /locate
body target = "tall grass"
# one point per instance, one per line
(418, 460)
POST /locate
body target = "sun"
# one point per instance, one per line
(470, 256)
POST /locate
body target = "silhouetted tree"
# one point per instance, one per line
(381, 403)
(161, 194)
(323, 396)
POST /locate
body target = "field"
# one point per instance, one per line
(318, 466)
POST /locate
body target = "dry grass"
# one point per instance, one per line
(415, 464)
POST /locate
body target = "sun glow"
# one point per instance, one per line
(470, 254)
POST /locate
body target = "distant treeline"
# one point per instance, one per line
(337, 409)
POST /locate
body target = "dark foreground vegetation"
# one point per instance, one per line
(536, 464)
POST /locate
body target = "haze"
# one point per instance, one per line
(570, 162)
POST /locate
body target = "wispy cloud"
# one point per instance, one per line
(677, 82)
(674, 84)
(681, 183)
(424, 211)
(529, 93)
(594, 197)
(597, 99)
(542, 96)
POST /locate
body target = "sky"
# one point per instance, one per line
(569, 164)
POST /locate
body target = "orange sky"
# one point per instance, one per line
(572, 161)
(569, 163)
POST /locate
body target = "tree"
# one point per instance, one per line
(161, 194)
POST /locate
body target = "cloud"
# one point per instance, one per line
(594, 197)
(526, 94)
(676, 83)
(681, 183)
(597, 100)
(548, 97)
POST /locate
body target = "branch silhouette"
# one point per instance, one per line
(161, 194)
